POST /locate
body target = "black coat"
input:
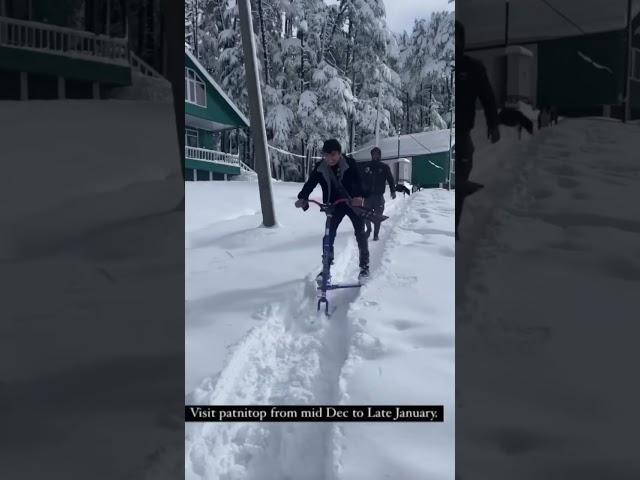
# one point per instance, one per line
(346, 173)
(374, 176)
(472, 84)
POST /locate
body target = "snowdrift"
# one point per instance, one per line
(123, 163)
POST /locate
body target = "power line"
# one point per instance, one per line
(565, 17)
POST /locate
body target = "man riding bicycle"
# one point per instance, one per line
(339, 179)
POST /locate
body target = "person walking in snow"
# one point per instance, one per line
(375, 175)
(339, 179)
(472, 84)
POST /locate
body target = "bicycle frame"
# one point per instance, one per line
(324, 286)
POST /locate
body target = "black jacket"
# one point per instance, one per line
(472, 84)
(346, 172)
(374, 175)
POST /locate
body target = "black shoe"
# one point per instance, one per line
(319, 279)
(364, 273)
(375, 238)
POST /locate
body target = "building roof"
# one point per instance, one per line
(203, 72)
(411, 145)
(535, 20)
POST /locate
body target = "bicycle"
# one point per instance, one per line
(324, 284)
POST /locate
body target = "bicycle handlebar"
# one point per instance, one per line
(325, 205)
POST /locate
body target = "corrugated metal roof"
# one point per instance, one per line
(411, 145)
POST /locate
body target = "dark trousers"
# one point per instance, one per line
(358, 228)
(375, 203)
(464, 164)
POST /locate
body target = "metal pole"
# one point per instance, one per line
(451, 112)
(506, 55)
(627, 82)
(195, 31)
(262, 167)
(378, 116)
(506, 24)
(107, 21)
(301, 62)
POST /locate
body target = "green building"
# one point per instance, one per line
(212, 120)
(75, 49)
(422, 159)
(580, 69)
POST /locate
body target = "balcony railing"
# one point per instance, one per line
(205, 155)
(143, 67)
(62, 41)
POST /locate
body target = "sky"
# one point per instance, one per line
(402, 13)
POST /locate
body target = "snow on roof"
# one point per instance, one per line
(517, 49)
(411, 145)
(534, 20)
(217, 87)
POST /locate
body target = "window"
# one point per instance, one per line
(191, 137)
(194, 88)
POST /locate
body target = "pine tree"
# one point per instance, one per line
(327, 70)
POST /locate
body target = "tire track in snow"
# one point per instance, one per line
(295, 357)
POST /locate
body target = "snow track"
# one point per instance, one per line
(295, 357)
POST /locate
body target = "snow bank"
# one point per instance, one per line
(89, 223)
(569, 219)
(130, 172)
(497, 167)
(402, 349)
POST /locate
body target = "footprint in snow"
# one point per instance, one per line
(402, 325)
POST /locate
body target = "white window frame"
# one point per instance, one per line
(191, 78)
(188, 131)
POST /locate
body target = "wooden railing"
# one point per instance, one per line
(206, 155)
(246, 168)
(143, 67)
(63, 41)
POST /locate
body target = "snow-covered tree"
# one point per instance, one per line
(424, 62)
(327, 70)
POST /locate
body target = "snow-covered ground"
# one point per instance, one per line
(253, 337)
(88, 226)
(549, 265)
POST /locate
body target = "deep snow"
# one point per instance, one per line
(253, 336)
(88, 226)
(548, 272)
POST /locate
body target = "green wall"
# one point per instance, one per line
(574, 85)
(425, 174)
(59, 65)
(218, 110)
(206, 140)
(211, 167)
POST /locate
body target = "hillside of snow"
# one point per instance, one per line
(547, 284)
(88, 228)
(253, 336)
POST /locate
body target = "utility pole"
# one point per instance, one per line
(506, 55)
(506, 24)
(378, 116)
(627, 82)
(262, 164)
(451, 114)
(195, 32)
